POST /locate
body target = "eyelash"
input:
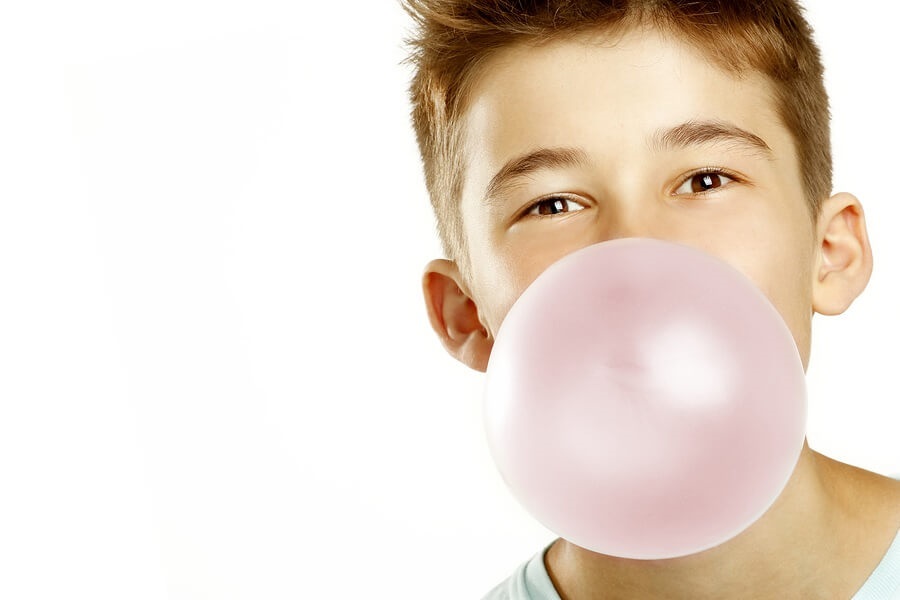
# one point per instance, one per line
(684, 179)
(708, 171)
(526, 212)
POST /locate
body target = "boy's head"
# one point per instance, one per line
(548, 126)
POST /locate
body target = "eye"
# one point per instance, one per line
(704, 181)
(553, 205)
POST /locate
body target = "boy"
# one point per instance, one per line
(549, 125)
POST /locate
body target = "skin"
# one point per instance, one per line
(833, 522)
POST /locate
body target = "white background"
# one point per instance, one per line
(216, 374)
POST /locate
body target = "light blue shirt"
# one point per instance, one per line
(531, 581)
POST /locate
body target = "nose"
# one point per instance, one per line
(637, 218)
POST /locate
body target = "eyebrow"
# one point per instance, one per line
(699, 133)
(525, 164)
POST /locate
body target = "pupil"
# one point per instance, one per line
(707, 182)
(554, 208)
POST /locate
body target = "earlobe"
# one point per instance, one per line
(844, 262)
(454, 315)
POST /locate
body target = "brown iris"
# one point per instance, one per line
(705, 181)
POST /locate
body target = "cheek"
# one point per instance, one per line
(499, 270)
(511, 268)
(498, 282)
(774, 247)
(492, 278)
(785, 279)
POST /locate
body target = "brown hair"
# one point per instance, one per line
(454, 37)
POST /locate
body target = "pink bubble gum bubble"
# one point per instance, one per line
(645, 400)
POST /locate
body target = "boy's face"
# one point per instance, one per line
(641, 137)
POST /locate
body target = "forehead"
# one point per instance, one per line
(605, 95)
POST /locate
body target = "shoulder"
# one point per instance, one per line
(529, 581)
(872, 497)
(511, 588)
(884, 581)
(500, 592)
(890, 495)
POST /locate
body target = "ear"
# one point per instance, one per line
(454, 316)
(844, 258)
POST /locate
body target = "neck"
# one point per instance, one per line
(781, 555)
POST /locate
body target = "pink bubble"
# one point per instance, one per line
(645, 400)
